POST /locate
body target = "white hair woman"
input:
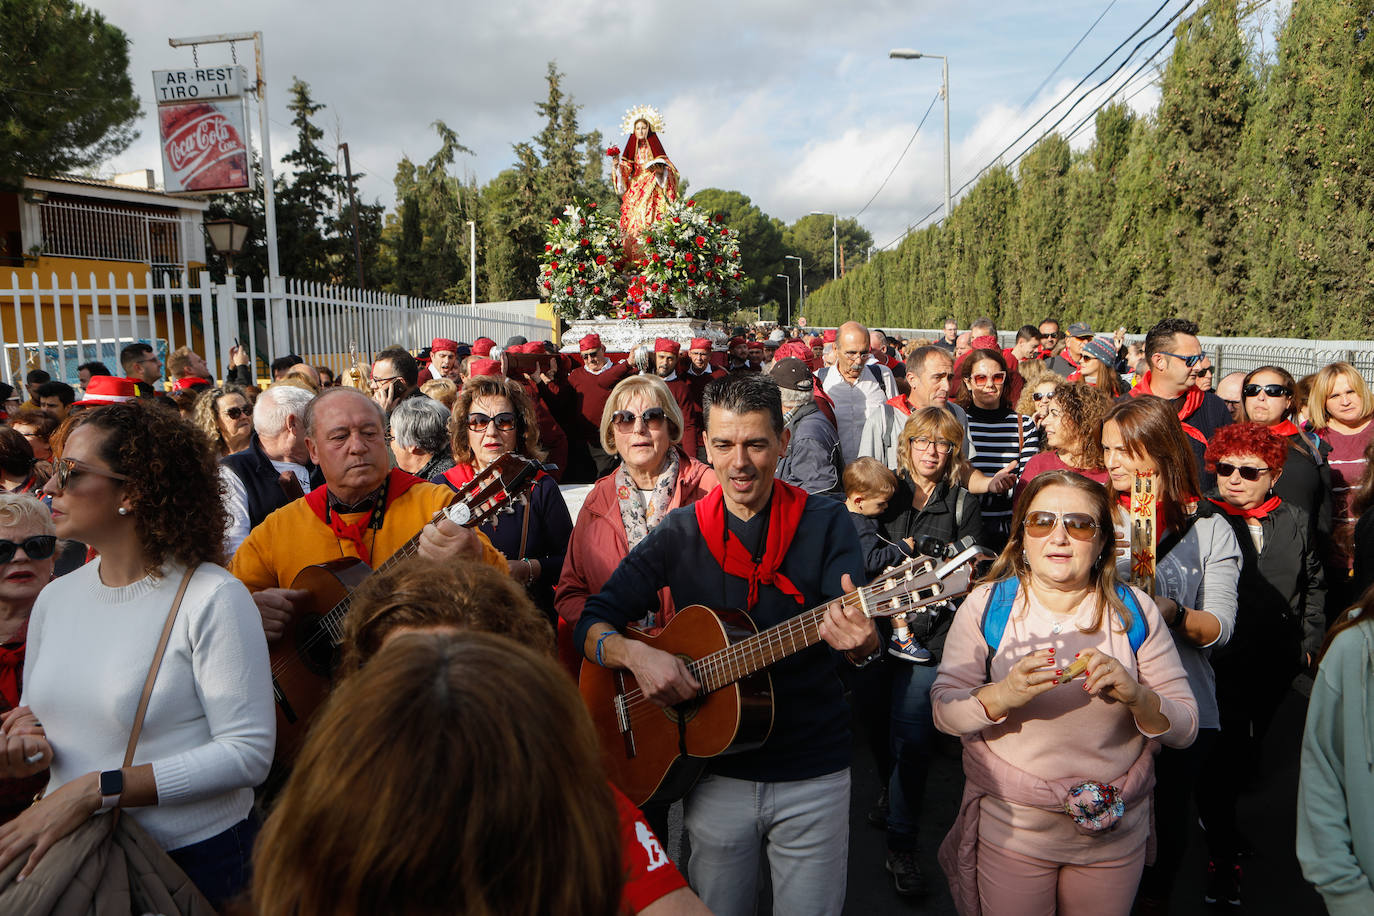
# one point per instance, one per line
(420, 438)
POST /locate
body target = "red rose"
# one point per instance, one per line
(710, 273)
(691, 283)
(691, 203)
(720, 217)
(676, 220)
(688, 257)
(656, 258)
(613, 151)
(667, 263)
(601, 259)
(553, 265)
(591, 206)
(585, 243)
(558, 251)
(700, 240)
(581, 267)
(569, 290)
(548, 248)
(596, 289)
(582, 281)
(736, 275)
(548, 286)
(691, 270)
(719, 259)
(555, 221)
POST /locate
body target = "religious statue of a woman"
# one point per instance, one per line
(645, 178)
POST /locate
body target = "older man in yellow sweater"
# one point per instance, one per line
(364, 510)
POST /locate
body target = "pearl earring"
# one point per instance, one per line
(123, 510)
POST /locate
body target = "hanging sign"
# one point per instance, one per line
(197, 83)
(203, 126)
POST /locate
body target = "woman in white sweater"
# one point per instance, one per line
(140, 486)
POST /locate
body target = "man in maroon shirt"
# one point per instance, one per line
(591, 384)
(665, 366)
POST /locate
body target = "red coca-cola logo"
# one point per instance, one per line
(202, 148)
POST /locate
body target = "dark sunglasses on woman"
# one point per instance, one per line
(1080, 525)
(624, 420)
(1225, 469)
(1274, 391)
(505, 422)
(38, 547)
(235, 413)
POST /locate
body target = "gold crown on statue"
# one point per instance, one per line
(642, 113)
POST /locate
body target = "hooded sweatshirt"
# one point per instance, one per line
(1335, 818)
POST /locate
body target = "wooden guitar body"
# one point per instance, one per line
(655, 754)
(303, 660)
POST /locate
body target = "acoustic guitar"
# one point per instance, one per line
(656, 754)
(303, 660)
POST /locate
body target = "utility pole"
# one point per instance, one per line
(353, 205)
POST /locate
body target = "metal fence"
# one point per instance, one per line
(113, 234)
(58, 324)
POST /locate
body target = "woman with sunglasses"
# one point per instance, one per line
(494, 416)
(1058, 759)
(1072, 434)
(1097, 367)
(1038, 383)
(1279, 629)
(141, 487)
(642, 424)
(1267, 399)
(28, 545)
(1340, 409)
(1197, 567)
(225, 415)
(998, 433)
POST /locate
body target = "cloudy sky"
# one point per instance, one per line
(794, 103)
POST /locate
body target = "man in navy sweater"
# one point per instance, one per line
(763, 546)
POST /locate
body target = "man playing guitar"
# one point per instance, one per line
(365, 510)
(761, 546)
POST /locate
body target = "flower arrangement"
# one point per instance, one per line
(690, 265)
(581, 272)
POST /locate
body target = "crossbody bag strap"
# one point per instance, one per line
(156, 665)
(524, 527)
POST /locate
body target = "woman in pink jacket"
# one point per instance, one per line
(641, 423)
(1061, 683)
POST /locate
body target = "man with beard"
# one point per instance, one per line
(665, 367)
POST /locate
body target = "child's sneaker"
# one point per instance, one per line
(908, 649)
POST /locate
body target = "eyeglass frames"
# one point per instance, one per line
(66, 468)
(236, 413)
(38, 547)
(505, 422)
(1080, 525)
(1189, 361)
(942, 446)
(1274, 391)
(1226, 469)
(996, 378)
(624, 420)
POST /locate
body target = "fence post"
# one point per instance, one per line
(227, 318)
(404, 303)
(1217, 370)
(280, 333)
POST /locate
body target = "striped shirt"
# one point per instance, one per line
(999, 436)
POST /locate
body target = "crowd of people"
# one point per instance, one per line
(1164, 556)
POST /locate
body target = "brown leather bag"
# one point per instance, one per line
(109, 866)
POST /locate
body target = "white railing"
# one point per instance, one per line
(112, 234)
(58, 323)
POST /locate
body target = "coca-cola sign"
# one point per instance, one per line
(204, 147)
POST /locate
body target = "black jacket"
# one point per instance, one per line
(260, 480)
(1306, 481)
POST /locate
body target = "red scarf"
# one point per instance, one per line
(1260, 511)
(784, 516)
(1192, 400)
(1285, 428)
(12, 668)
(318, 501)
(459, 474)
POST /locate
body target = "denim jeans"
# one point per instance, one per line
(221, 867)
(803, 824)
(913, 731)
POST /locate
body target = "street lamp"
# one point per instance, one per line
(788, 281)
(908, 54)
(801, 290)
(226, 238)
(835, 239)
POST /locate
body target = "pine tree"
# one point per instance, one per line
(309, 245)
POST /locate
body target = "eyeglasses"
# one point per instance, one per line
(1041, 395)
(1274, 391)
(379, 382)
(38, 547)
(942, 446)
(1080, 525)
(996, 378)
(624, 421)
(236, 413)
(1189, 361)
(1206, 370)
(1226, 469)
(67, 467)
(505, 422)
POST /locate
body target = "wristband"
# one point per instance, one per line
(1178, 618)
(599, 640)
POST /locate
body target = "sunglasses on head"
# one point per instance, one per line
(66, 468)
(1189, 361)
(38, 547)
(1274, 391)
(1080, 525)
(996, 378)
(505, 422)
(1226, 469)
(235, 413)
(624, 420)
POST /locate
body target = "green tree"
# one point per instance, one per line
(68, 103)
(760, 244)
(309, 245)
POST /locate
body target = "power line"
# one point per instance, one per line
(1046, 81)
(929, 109)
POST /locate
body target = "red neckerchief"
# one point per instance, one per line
(1260, 511)
(12, 667)
(1067, 357)
(460, 474)
(784, 516)
(1285, 428)
(318, 501)
(901, 403)
(1192, 400)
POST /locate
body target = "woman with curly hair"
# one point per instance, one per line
(225, 415)
(1072, 431)
(1038, 384)
(140, 485)
(492, 416)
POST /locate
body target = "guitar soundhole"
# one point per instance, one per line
(313, 645)
(683, 712)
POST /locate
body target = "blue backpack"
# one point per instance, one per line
(1003, 596)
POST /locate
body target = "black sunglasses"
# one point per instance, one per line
(38, 547)
(505, 422)
(235, 413)
(1226, 469)
(624, 420)
(1274, 391)
(1189, 361)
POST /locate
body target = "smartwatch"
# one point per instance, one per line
(111, 788)
(1178, 618)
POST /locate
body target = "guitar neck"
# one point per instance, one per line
(332, 622)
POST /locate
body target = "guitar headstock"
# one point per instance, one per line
(498, 484)
(919, 582)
